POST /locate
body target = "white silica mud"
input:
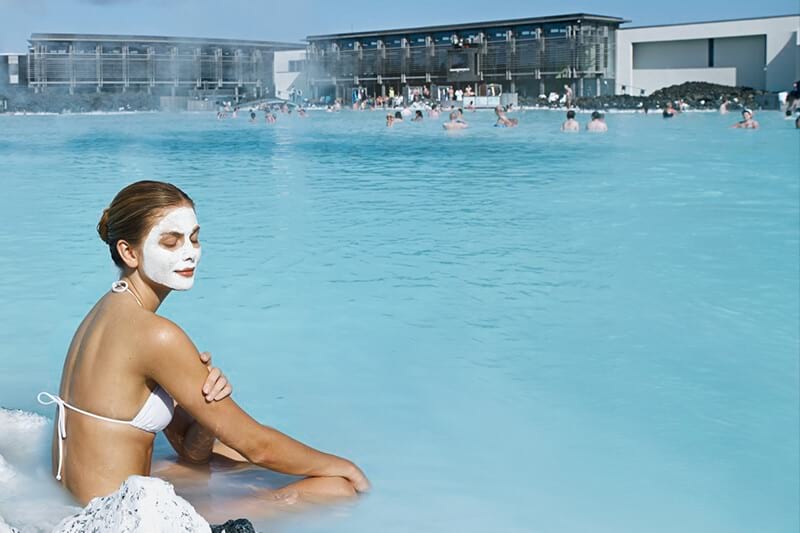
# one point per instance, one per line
(31, 501)
(141, 505)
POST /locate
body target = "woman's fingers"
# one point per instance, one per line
(205, 357)
(211, 380)
(217, 388)
(224, 393)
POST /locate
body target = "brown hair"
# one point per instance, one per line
(132, 210)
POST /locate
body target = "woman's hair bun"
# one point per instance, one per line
(102, 226)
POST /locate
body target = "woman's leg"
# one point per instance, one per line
(239, 489)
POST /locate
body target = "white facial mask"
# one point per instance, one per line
(162, 264)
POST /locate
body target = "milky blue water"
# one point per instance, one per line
(509, 330)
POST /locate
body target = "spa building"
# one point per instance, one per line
(529, 56)
(169, 66)
(593, 54)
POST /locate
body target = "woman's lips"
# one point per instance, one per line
(186, 273)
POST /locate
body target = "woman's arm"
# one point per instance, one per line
(191, 441)
(170, 358)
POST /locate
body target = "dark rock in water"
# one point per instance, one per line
(698, 95)
(240, 525)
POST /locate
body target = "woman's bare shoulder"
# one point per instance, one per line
(161, 336)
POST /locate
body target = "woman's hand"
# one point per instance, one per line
(358, 479)
(348, 470)
(216, 386)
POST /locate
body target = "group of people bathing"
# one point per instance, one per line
(747, 122)
(596, 124)
(456, 117)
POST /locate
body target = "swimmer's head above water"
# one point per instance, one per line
(151, 228)
(570, 114)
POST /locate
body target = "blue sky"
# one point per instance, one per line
(292, 20)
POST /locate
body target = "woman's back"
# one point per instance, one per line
(101, 376)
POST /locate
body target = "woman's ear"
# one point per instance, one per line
(128, 254)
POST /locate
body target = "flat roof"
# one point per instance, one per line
(471, 25)
(709, 22)
(90, 37)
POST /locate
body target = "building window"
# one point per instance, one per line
(296, 65)
(711, 52)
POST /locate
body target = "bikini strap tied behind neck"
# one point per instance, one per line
(122, 286)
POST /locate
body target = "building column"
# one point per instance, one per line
(98, 59)
(71, 68)
(125, 69)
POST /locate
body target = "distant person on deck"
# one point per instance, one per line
(568, 95)
(747, 122)
(571, 124)
(597, 124)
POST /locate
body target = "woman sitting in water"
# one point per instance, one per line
(417, 116)
(130, 373)
(747, 121)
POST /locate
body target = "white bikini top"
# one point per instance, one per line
(154, 416)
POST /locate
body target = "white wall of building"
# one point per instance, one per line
(762, 53)
(287, 77)
(690, 53)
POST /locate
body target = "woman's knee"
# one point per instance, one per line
(327, 487)
(340, 487)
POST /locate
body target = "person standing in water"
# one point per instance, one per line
(455, 123)
(597, 124)
(571, 125)
(502, 120)
(747, 122)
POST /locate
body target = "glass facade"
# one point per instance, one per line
(528, 56)
(160, 65)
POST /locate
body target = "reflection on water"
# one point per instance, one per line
(509, 329)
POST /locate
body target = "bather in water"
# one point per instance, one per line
(130, 373)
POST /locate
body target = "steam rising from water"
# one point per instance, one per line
(29, 498)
